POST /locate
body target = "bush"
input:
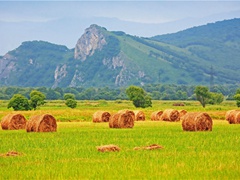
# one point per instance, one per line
(71, 103)
(19, 103)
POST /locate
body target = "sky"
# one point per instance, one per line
(63, 22)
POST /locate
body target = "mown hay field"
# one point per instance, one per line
(71, 152)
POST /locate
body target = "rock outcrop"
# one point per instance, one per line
(89, 42)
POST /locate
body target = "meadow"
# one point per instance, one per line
(70, 153)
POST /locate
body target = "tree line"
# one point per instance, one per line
(137, 95)
(155, 91)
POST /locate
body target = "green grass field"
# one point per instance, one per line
(70, 153)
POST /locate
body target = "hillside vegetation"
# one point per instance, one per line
(203, 55)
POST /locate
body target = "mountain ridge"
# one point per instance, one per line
(115, 59)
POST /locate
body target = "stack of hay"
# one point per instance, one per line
(197, 121)
(233, 116)
(156, 115)
(170, 115)
(13, 122)
(101, 116)
(139, 115)
(122, 119)
(182, 113)
(42, 123)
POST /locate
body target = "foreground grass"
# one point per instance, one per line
(71, 152)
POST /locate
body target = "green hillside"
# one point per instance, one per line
(200, 55)
(218, 43)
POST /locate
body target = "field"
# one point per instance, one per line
(70, 153)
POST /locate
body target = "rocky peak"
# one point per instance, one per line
(92, 39)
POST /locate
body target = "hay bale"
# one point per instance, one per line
(122, 120)
(42, 123)
(197, 121)
(233, 116)
(170, 115)
(126, 120)
(182, 113)
(178, 104)
(113, 122)
(150, 147)
(101, 116)
(13, 122)
(156, 115)
(108, 148)
(128, 111)
(139, 115)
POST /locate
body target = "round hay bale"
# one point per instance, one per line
(139, 115)
(113, 122)
(182, 113)
(233, 116)
(178, 104)
(13, 122)
(122, 120)
(42, 123)
(127, 111)
(101, 116)
(170, 115)
(156, 115)
(126, 120)
(197, 121)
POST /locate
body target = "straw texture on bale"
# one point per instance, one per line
(122, 120)
(170, 115)
(13, 122)
(182, 113)
(108, 148)
(127, 111)
(197, 121)
(101, 116)
(113, 122)
(139, 115)
(156, 115)
(233, 116)
(42, 123)
(151, 147)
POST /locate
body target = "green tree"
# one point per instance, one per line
(68, 96)
(19, 103)
(36, 99)
(202, 94)
(71, 103)
(138, 96)
(237, 97)
(215, 98)
(70, 100)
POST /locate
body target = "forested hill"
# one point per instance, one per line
(218, 43)
(203, 55)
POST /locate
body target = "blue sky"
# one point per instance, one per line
(63, 22)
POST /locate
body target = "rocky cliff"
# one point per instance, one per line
(93, 39)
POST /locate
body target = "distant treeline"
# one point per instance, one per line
(156, 91)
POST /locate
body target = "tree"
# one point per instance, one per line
(36, 99)
(19, 103)
(237, 97)
(215, 98)
(202, 94)
(69, 96)
(70, 100)
(139, 97)
(71, 103)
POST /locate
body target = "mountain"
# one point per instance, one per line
(199, 55)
